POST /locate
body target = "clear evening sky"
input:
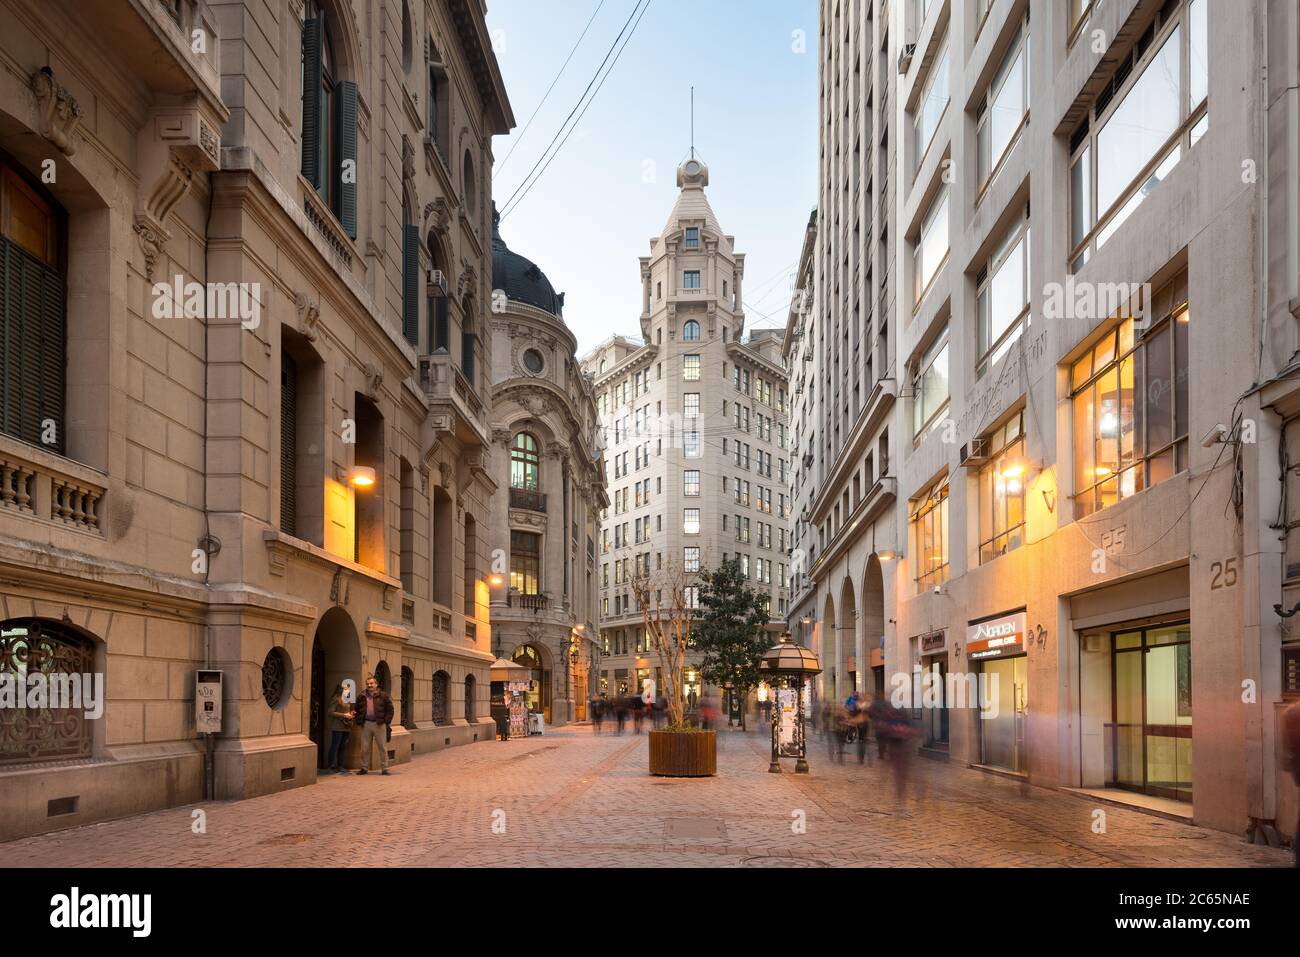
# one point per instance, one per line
(592, 213)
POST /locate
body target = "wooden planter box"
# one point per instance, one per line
(684, 754)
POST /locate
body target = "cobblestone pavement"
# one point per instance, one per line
(572, 798)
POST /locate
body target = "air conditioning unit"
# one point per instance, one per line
(974, 453)
(905, 57)
(438, 278)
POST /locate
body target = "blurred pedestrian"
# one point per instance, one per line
(855, 709)
(620, 712)
(597, 712)
(877, 711)
(897, 728)
(1291, 761)
(638, 714)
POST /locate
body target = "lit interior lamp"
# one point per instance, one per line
(361, 476)
(1013, 473)
(1103, 470)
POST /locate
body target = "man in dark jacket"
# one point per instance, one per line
(374, 715)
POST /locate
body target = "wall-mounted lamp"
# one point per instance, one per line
(886, 554)
(496, 581)
(361, 476)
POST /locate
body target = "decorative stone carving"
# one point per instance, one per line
(57, 111)
(501, 436)
(408, 158)
(308, 314)
(152, 239)
(374, 379)
(440, 211)
(468, 282)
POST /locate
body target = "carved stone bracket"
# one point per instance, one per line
(340, 587)
(174, 146)
(308, 314)
(57, 110)
(278, 555)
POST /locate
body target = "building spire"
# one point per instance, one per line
(692, 122)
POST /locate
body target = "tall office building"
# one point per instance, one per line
(841, 341)
(1087, 376)
(695, 431)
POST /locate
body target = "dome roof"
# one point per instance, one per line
(519, 278)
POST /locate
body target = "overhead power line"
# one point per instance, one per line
(535, 174)
(518, 139)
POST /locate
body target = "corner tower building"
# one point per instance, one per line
(694, 415)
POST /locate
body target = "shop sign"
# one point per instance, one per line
(996, 637)
(932, 642)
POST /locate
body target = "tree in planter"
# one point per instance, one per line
(730, 630)
(667, 600)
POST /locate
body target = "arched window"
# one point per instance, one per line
(469, 698)
(525, 463)
(384, 677)
(329, 119)
(45, 732)
(691, 331)
(441, 691)
(33, 317)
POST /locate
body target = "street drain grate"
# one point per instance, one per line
(283, 839)
(677, 828)
(766, 861)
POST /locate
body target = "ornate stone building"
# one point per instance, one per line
(695, 415)
(244, 416)
(550, 490)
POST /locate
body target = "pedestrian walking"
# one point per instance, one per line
(341, 715)
(375, 712)
(877, 711)
(638, 714)
(597, 712)
(897, 729)
(1291, 757)
(856, 718)
(620, 712)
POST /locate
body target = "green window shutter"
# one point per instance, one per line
(53, 349)
(411, 284)
(311, 99)
(347, 126)
(33, 347)
(288, 445)
(439, 326)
